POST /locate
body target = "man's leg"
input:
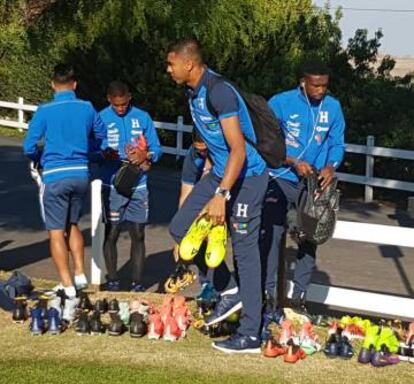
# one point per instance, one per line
(272, 229)
(305, 266)
(114, 206)
(60, 255)
(245, 219)
(74, 235)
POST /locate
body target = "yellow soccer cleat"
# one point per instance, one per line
(195, 236)
(216, 246)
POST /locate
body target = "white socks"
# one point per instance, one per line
(70, 292)
(80, 280)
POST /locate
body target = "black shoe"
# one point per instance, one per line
(85, 304)
(116, 326)
(83, 327)
(345, 350)
(20, 310)
(331, 349)
(113, 306)
(96, 323)
(101, 306)
(137, 325)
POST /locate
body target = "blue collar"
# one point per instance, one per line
(64, 95)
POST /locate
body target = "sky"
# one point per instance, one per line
(396, 21)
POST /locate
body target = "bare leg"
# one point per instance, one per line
(60, 255)
(77, 249)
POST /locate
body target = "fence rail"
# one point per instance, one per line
(369, 150)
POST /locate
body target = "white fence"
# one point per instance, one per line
(369, 150)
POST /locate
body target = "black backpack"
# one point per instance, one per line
(317, 214)
(270, 140)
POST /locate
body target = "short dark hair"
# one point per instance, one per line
(117, 88)
(314, 67)
(63, 74)
(190, 47)
(196, 137)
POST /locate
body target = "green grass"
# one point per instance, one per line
(12, 132)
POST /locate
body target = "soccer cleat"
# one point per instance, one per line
(197, 233)
(155, 326)
(181, 278)
(43, 305)
(137, 326)
(345, 350)
(83, 326)
(388, 340)
(116, 326)
(113, 286)
(20, 310)
(273, 348)
(208, 294)
(96, 323)
(216, 246)
(85, 304)
(294, 353)
(286, 333)
(238, 344)
(113, 306)
(331, 349)
(53, 322)
(171, 330)
(308, 339)
(124, 313)
(227, 305)
(383, 358)
(182, 317)
(101, 306)
(166, 308)
(37, 323)
(368, 345)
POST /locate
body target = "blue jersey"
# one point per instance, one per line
(193, 167)
(66, 124)
(226, 102)
(314, 133)
(124, 130)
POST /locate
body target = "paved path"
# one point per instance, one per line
(23, 242)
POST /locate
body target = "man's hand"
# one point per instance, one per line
(145, 166)
(326, 176)
(216, 210)
(135, 155)
(303, 168)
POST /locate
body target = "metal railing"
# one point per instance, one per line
(369, 150)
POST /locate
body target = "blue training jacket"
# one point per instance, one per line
(314, 133)
(123, 130)
(66, 124)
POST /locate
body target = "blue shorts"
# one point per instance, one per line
(63, 202)
(119, 208)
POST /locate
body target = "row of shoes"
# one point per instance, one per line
(202, 230)
(50, 314)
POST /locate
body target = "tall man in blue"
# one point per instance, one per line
(66, 124)
(126, 124)
(314, 126)
(233, 191)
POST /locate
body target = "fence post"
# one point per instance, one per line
(179, 137)
(20, 113)
(97, 234)
(369, 170)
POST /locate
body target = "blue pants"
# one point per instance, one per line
(243, 217)
(282, 195)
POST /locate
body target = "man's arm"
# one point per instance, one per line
(216, 208)
(36, 132)
(336, 150)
